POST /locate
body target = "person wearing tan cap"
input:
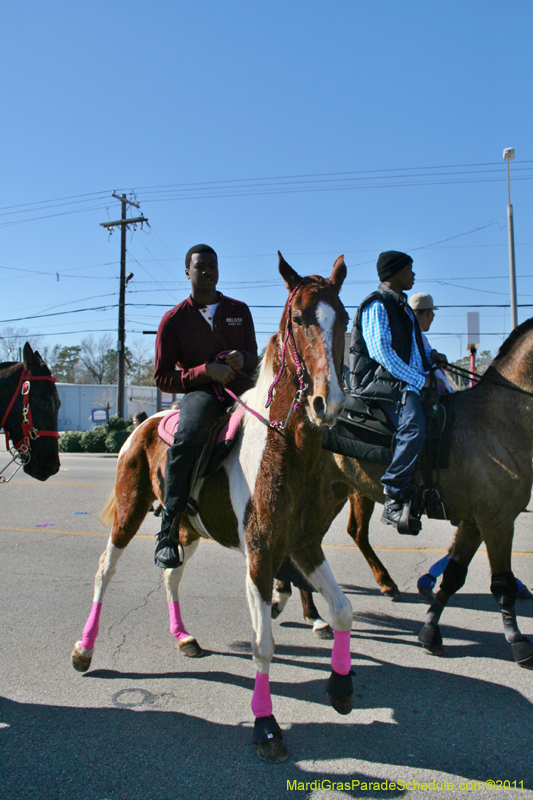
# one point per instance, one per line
(424, 310)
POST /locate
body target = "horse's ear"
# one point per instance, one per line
(289, 275)
(338, 274)
(28, 356)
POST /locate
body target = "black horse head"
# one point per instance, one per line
(43, 401)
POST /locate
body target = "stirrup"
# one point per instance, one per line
(408, 524)
(175, 555)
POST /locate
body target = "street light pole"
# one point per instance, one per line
(508, 155)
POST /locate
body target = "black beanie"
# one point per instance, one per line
(390, 262)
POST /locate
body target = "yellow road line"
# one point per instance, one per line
(62, 483)
(210, 541)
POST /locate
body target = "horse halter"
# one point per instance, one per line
(22, 449)
(298, 398)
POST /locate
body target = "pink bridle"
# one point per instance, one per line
(298, 398)
(29, 432)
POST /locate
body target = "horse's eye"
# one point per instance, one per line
(297, 319)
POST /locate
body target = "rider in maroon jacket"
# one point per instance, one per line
(189, 338)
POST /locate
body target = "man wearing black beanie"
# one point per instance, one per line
(389, 363)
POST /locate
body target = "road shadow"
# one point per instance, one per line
(435, 721)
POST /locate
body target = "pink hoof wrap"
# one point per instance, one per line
(177, 628)
(90, 632)
(341, 660)
(261, 701)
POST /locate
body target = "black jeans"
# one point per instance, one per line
(199, 410)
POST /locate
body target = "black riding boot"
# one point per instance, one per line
(398, 514)
(169, 552)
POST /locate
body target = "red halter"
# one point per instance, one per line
(29, 432)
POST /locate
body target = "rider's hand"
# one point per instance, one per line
(235, 359)
(427, 382)
(438, 358)
(220, 373)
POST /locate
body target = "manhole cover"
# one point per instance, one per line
(132, 698)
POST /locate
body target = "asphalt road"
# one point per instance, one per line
(145, 722)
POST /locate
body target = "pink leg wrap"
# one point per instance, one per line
(261, 700)
(340, 657)
(177, 628)
(90, 632)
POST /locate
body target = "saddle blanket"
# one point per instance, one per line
(215, 451)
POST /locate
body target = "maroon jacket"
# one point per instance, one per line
(186, 343)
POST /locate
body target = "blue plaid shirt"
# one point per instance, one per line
(378, 339)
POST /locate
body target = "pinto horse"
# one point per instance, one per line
(29, 405)
(269, 498)
(486, 485)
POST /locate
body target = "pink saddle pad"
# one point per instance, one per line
(169, 424)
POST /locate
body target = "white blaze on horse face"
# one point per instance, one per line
(335, 398)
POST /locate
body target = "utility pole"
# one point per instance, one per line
(121, 344)
(508, 155)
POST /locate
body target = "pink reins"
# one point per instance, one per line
(298, 398)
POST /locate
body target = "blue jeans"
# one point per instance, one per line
(410, 423)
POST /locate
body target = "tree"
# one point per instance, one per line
(65, 363)
(12, 341)
(483, 362)
(140, 363)
(99, 360)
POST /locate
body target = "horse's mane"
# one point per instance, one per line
(256, 397)
(509, 344)
(6, 364)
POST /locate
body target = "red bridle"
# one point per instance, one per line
(29, 432)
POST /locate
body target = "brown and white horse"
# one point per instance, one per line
(270, 497)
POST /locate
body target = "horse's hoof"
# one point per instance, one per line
(426, 593)
(80, 662)
(191, 649)
(342, 705)
(340, 690)
(273, 751)
(393, 592)
(275, 611)
(523, 654)
(430, 638)
(436, 650)
(326, 632)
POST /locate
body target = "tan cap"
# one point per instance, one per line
(422, 302)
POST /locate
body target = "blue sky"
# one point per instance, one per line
(314, 128)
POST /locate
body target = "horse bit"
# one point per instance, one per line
(298, 397)
(21, 451)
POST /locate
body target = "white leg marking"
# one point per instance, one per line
(261, 613)
(106, 569)
(280, 599)
(339, 605)
(172, 577)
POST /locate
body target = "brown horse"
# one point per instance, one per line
(29, 405)
(486, 485)
(269, 499)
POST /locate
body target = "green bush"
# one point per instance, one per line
(94, 441)
(118, 424)
(70, 442)
(115, 440)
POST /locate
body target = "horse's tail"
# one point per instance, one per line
(107, 515)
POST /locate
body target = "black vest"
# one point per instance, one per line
(368, 377)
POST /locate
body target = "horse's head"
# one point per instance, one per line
(315, 320)
(44, 407)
